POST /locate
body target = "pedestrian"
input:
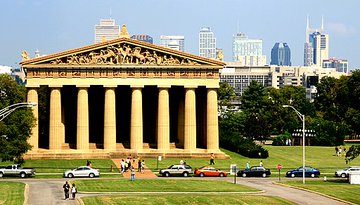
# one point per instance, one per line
(261, 163)
(132, 178)
(181, 162)
(339, 152)
(212, 159)
(66, 188)
(122, 166)
(139, 165)
(73, 191)
(143, 166)
(248, 165)
(336, 151)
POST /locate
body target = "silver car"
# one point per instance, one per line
(345, 172)
(180, 170)
(83, 171)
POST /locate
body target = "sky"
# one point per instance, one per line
(53, 26)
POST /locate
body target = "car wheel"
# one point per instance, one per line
(166, 174)
(201, 174)
(22, 175)
(70, 175)
(264, 175)
(185, 174)
(343, 175)
(1, 174)
(243, 175)
(292, 175)
(312, 175)
(91, 175)
(221, 174)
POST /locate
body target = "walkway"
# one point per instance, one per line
(147, 174)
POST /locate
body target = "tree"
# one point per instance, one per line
(226, 94)
(16, 128)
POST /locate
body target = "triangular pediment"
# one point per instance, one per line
(122, 52)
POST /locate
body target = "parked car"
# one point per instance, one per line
(309, 172)
(208, 171)
(16, 170)
(177, 170)
(83, 171)
(254, 171)
(345, 172)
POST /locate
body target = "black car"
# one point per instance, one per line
(255, 171)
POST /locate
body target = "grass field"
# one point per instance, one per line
(184, 200)
(12, 193)
(159, 186)
(335, 188)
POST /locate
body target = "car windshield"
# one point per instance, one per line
(170, 167)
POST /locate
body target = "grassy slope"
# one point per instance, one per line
(184, 200)
(12, 193)
(336, 188)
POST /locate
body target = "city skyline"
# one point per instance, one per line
(52, 26)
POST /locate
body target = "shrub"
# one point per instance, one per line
(281, 139)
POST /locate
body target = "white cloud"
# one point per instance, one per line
(5, 69)
(340, 29)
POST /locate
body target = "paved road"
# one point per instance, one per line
(50, 192)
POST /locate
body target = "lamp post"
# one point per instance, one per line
(302, 118)
(11, 108)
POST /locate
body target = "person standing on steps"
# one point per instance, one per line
(66, 188)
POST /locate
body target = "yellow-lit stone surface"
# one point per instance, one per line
(110, 120)
(190, 120)
(32, 97)
(82, 134)
(56, 134)
(212, 121)
(163, 129)
(136, 127)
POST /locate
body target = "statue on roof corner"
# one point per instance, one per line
(24, 56)
(220, 56)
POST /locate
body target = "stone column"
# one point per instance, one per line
(82, 127)
(190, 120)
(163, 123)
(136, 121)
(32, 97)
(56, 134)
(110, 119)
(212, 121)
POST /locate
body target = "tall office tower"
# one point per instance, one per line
(316, 47)
(173, 42)
(107, 30)
(143, 37)
(281, 54)
(248, 52)
(207, 43)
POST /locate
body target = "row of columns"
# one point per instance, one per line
(57, 129)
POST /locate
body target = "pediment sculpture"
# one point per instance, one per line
(124, 54)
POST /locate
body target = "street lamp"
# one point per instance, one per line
(11, 108)
(302, 118)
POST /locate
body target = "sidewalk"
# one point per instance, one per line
(148, 174)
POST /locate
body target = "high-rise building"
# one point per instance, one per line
(173, 42)
(248, 52)
(281, 54)
(107, 30)
(316, 47)
(143, 37)
(341, 65)
(207, 43)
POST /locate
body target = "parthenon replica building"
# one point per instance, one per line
(123, 97)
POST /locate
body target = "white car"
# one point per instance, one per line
(83, 171)
(345, 172)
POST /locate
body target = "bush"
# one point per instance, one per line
(245, 147)
(281, 139)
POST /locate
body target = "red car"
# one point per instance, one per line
(208, 171)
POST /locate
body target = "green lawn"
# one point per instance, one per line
(184, 200)
(159, 186)
(12, 193)
(336, 188)
(290, 157)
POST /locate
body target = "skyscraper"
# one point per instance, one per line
(248, 52)
(107, 30)
(207, 43)
(143, 37)
(173, 42)
(281, 55)
(316, 47)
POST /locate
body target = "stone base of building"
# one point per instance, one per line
(40, 154)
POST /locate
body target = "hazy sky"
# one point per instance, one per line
(53, 26)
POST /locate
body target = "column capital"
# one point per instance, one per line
(164, 86)
(110, 86)
(136, 86)
(190, 86)
(83, 86)
(55, 86)
(32, 86)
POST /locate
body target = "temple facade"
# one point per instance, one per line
(123, 97)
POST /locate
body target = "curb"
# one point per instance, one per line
(315, 192)
(162, 193)
(26, 193)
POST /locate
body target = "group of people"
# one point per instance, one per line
(339, 151)
(128, 164)
(68, 189)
